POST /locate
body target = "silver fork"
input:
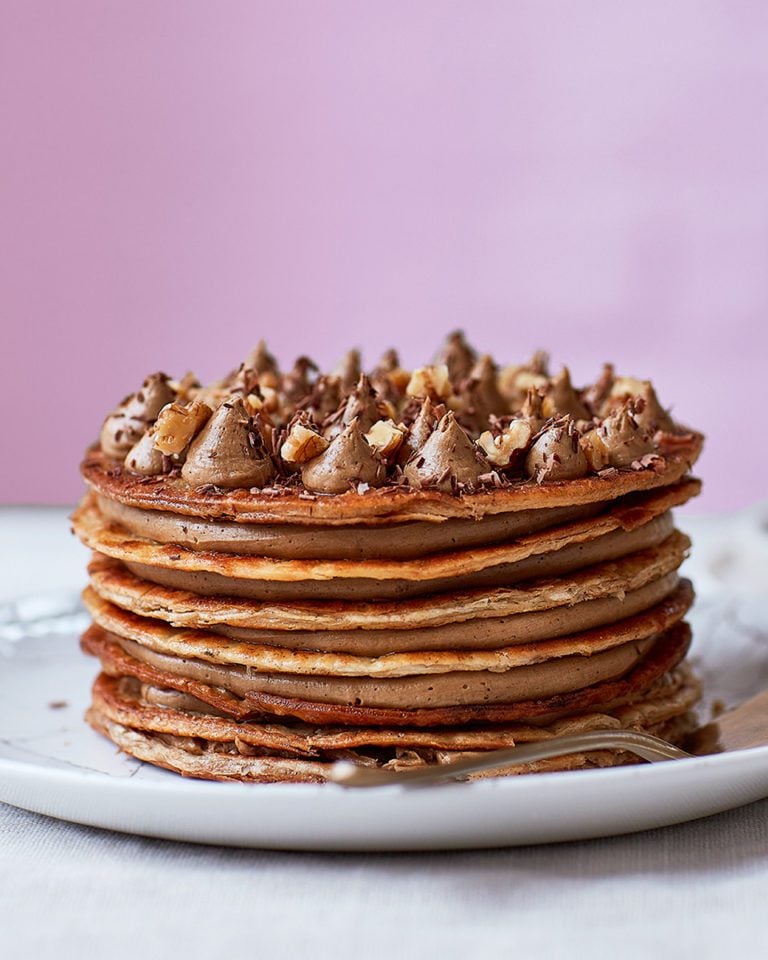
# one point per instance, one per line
(644, 745)
(743, 727)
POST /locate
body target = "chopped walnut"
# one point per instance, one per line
(186, 388)
(302, 444)
(178, 424)
(385, 437)
(501, 450)
(595, 451)
(267, 400)
(432, 382)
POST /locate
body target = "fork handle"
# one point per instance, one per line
(644, 745)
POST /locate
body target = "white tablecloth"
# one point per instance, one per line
(696, 890)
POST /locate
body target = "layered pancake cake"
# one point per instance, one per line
(395, 568)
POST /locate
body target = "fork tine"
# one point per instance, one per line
(644, 745)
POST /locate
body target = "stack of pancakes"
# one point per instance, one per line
(260, 634)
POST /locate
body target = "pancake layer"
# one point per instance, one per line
(183, 735)
(578, 625)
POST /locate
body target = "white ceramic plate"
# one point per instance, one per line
(52, 763)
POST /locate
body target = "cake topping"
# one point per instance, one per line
(324, 398)
(622, 389)
(385, 438)
(648, 412)
(178, 424)
(504, 425)
(144, 458)
(261, 360)
(259, 369)
(230, 451)
(125, 426)
(388, 378)
(348, 369)
(479, 396)
(457, 356)
(448, 459)
(652, 416)
(623, 438)
(432, 382)
(390, 361)
(595, 395)
(533, 409)
(263, 400)
(361, 405)
(516, 380)
(561, 399)
(348, 462)
(539, 363)
(186, 388)
(595, 450)
(302, 444)
(297, 384)
(419, 431)
(556, 454)
(507, 447)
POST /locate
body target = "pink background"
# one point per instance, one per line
(181, 178)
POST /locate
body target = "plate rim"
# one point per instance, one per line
(561, 779)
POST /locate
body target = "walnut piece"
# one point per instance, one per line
(267, 400)
(595, 450)
(302, 445)
(385, 437)
(432, 382)
(177, 424)
(501, 449)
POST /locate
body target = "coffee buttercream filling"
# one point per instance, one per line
(109, 538)
(288, 541)
(263, 658)
(112, 581)
(165, 711)
(477, 634)
(555, 563)
(473, 635)
(664, 655)
(532, 682)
